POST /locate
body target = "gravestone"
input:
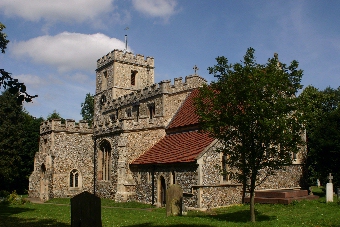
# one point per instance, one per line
(174, 200)
(85, 210)
(318, 183)
(329, 189)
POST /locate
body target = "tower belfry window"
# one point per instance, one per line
(104, 80)
(133, 77)
(151, 111)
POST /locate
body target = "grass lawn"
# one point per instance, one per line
(57, 213)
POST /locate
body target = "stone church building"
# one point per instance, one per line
(144, 138)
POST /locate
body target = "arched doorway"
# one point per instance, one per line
(43, 183)
(162, 191)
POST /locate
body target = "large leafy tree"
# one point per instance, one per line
(7, 81)
(252, 110)
(322, 117)
(87, 108)
(19, 134)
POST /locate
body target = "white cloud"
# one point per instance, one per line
(30, 80)
(51, 10)
(67, 51)
(156, 8)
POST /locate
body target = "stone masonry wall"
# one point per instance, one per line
(72, 151)
(62, 148)
(185, 177)
(215, 192)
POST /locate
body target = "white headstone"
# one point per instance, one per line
(329, 189)
(318, 182)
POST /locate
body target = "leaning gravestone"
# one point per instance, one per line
(85, 210)
(174, 200)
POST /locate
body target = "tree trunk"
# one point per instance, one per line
(244, 188)
(252, 197)
(252, 206)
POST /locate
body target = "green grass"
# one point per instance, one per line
(304, 213)
(104, 203)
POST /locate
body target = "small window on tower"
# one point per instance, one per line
(128, 112)
(104, 81)
(133, 77)
(151, 111)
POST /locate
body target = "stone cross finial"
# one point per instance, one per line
(330, 178)
(195, 69)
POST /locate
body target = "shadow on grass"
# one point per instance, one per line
(147, 224)
(7, 220)
(239, 216)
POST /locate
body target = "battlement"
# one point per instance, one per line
(163, 87)
(69, 126)
(125, 57)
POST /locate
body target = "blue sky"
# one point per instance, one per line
(55, 44)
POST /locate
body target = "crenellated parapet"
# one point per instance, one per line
(125, 57)
(163, 87)
(69, 126)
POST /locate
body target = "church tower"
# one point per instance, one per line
(119, 73)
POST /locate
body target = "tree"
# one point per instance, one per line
(55, 115)
(19, 135)
(87, 108)
(11, 130)
(7, 81)
(3, 39)
(30, 145)
(321, 113)
(253, 112)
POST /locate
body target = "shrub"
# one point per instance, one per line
(15, 199)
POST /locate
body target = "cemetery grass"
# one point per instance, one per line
(57, 213)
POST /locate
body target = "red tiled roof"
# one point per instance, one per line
(176, 148)
(186, 114)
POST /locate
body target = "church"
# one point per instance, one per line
(145, 137)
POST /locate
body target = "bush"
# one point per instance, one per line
(15, 199)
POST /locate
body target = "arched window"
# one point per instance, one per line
(104, 161)
(74, 179)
